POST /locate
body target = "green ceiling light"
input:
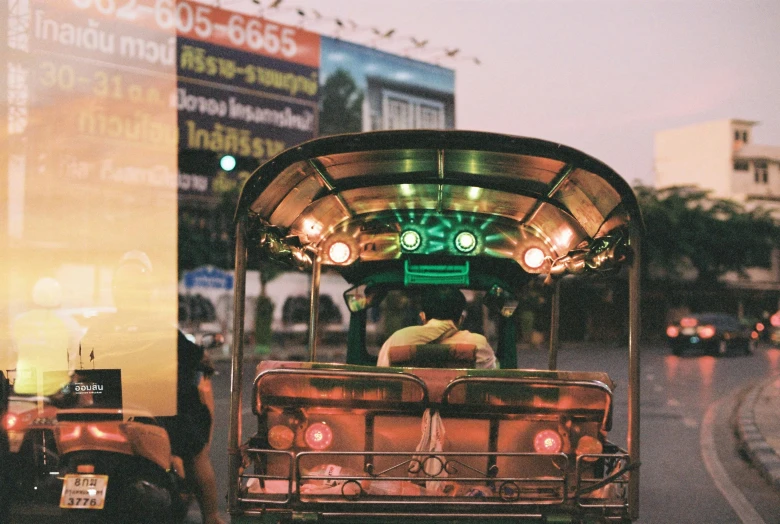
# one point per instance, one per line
(410, 240)
(465, 242)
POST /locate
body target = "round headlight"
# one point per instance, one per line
(339, 252)
(410, 240)
(533, 257)
(465, 242)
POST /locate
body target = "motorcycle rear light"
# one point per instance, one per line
(85, 468)
(688, 322)
(672, 331)
(318, 436)
(9, 421)
(588, 445)
(281, 437)
(548, 441)
(72, 433)
(706, 331)
(105, 435)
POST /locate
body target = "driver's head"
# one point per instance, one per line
(132, 283)
(443, 303)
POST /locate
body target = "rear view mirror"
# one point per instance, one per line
(501, 301)
(361, 297)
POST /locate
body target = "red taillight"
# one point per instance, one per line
(548, 441)
(9, 421)
(754, 335)
(85, 468)
(775, 319)
(706, 331)
(688, 322)
(319, 436)
(759, 326)
(105, 435)
(672, 331)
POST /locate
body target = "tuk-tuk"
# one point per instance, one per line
(431, 436)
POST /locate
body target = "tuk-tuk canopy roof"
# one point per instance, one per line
(387, 194)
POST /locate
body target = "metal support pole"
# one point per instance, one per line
(634, 297)
(234, 433)
(314, 303)
(555, 307)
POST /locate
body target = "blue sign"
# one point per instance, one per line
(208, 277)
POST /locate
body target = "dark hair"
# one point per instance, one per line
(443, 303)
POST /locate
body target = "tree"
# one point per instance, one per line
(341, 105)
(689, 229)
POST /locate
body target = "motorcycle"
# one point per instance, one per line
(118, 462)
(118, 467)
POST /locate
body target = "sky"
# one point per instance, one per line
(602, 76)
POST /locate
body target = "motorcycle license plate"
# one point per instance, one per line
(84, 491)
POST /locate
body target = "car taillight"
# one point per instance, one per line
(548, 441)
(672, 331)
(281, 437)
(318, 436)
(706, 331)
(9, 421)
(688, 322)
(588, 445)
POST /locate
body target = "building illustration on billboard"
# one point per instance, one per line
(364, 89)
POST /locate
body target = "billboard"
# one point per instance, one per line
(364, 89)
(247, 87)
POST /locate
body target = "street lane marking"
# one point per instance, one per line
(744, 510)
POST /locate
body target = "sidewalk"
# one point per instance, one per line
(758, 425)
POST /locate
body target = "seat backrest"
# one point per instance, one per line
(434, 355)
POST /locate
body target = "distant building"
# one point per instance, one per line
(720, 156)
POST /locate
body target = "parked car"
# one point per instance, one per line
(712, 333)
